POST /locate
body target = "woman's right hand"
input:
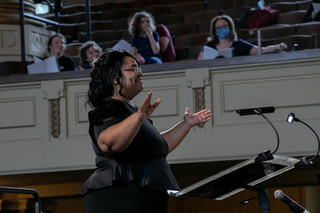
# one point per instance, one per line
(146, 108)
(147, 30)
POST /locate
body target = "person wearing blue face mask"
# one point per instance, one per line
(223, 36)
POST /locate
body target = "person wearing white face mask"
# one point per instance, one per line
(223, 35)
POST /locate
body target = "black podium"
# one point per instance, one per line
(242, 176)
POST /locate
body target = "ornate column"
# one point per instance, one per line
(198, 79)
(53, 91)
(36, 35)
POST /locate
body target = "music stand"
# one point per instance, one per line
(242, 176)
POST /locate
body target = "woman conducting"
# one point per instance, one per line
(223, 36)
(132, 174)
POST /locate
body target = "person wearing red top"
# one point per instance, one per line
(166, 45)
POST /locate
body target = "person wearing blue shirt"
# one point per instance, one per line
(223, 36)
(145, 40)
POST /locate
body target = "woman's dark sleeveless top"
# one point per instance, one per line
(142, 163)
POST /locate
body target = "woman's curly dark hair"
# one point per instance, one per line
(135, 26)
(107, 68)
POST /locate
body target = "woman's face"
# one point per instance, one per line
(92, 53)
(222, 29)
(221, 23)
(131, 82)
(57, 46)
(145, 22)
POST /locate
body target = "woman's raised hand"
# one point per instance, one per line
(147, 30)
(146, 108)
(197, 118)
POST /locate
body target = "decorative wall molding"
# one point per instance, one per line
(53, 91)
(55, 117)
(198, 79)
(58, 140)
(36, 39)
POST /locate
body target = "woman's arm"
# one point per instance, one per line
(118, 137)
(175, 135)
(133, 51)
(201, 55)
(164, 42)
(154, 45)
(268, 49)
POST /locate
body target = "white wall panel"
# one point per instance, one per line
(26, 143)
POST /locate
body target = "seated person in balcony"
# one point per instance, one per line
(56, 45)
(223, 35)
(88, 52)
(312, 14)
(167, 50)
(145, 40)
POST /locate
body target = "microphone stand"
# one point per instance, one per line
(261, 111)
(263, 197)
(258, 111)
(304, 160)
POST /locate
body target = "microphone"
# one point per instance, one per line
(255, 111)
(293, 206)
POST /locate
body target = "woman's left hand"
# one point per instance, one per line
(197, 118)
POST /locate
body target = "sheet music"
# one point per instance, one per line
(122, 45)
(48, 65)
(210, 53)
(51, 65)
(316, 6)
(36, 68)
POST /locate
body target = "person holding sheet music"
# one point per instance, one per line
(132, 174)
(223, 36)
(56, 45)
(312, 13)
